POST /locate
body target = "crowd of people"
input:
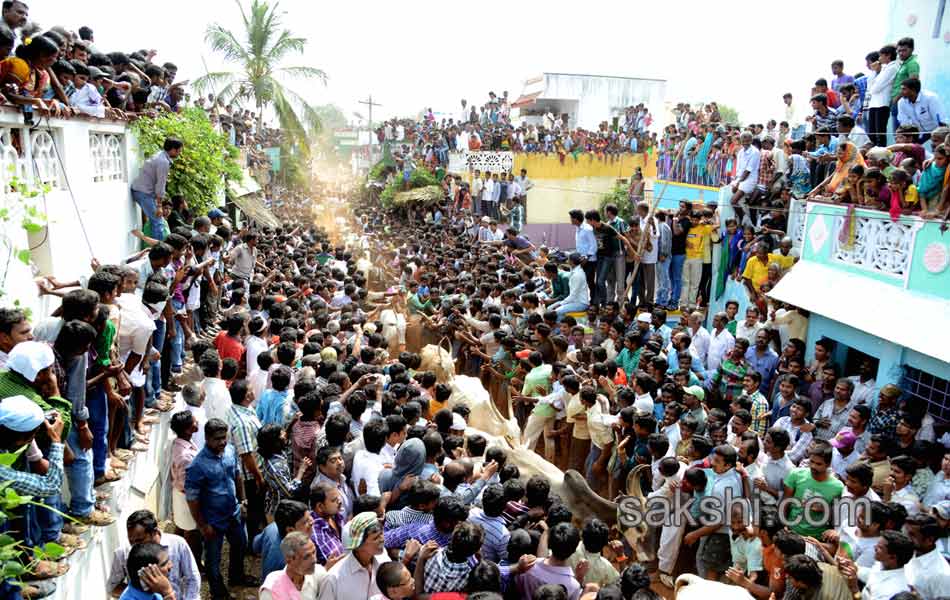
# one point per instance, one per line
(839, 150)
(489, 127)
(312, 443)
(306, 433)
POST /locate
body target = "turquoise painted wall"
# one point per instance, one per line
(919, 280)
(889, 355)
(676, 192)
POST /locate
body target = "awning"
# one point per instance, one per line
(248, 185)
(885, 311)
(252, 206)
(526, 100)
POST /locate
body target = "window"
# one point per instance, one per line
(930, 389)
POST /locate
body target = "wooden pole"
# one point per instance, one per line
(645, 230)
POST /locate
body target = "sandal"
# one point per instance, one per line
(137, 447)
(72, 528)
(38, 589)
(71, 541)
(97, 518)
(123, 454)
(48, 569)
(103, 496)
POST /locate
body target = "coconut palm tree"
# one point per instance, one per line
(258, 53)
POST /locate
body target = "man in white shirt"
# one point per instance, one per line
(879, 94)
(747, 168)
(928, 572)
(244, 257)
(578, 295)
(217, 397)
(920, 108)
(886, 578)
(750, 326)
(864, 384)
(848, 131)
(700, 336)
(368, 462)
(255, 344)
(720, 342)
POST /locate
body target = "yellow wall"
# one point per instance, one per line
(548, 166)
(580, 183)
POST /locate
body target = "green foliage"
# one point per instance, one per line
(729, 115)
(389, 192)
(422, 177)
(206, 157)
(378, 172)
(15, 561)
(618, 197)
(23, 209)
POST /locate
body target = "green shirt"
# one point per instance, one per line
(418, 306)
(731, 327)
(909, 68)
(104, 345)
(628, 361)
(560, 285)
(538, 376)
(14, 384)
(804, 487)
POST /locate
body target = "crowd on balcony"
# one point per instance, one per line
(490, 127)
(839, 150)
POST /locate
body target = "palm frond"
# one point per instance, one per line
(304, 72)
(209, 82)
(223, 41)
(304, 110)
(286, 43)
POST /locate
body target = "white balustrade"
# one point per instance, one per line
(796, 222)
(880, 244)
(105, 150)
(484, 161)
(47, 159)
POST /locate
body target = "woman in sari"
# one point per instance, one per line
(848, 156)
(702, 156)
(933, 181)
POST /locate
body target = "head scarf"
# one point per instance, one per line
(410, 458)
(29, 358)
(358, 528)
(20, 414)
(328, 354)
(843, 166)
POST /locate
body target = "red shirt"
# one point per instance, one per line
(228, 347)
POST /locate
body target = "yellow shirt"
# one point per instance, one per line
(783, 261)
(756, 271)
(574, 408)
(910, 196)
(694, 240)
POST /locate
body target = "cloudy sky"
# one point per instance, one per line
(419, 53)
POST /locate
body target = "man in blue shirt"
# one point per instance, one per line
(289, 516)
(215, 494)
(762, 359)
(585, 244)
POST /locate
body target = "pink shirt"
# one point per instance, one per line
(183, 452)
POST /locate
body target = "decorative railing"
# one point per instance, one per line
(31, 156)
(492, 162)
(878, 244)
(106, 153)
(796, 221)
(712, 173)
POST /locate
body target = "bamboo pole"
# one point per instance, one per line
(645, 230)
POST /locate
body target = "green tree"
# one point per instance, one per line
(258, 54)
(206, 159)
(729, 115)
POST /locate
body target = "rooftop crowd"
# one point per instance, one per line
(489, 127)
(287, 364)
(875, 139)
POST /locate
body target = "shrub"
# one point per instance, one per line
(620, 198)
(206, 157)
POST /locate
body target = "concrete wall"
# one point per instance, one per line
(600, 98)
(87, 165)
(918, 19)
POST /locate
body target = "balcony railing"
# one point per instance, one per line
(689, 170)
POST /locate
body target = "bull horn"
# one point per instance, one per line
(580, 495)
(633, 481)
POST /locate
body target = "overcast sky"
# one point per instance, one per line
(414, 54)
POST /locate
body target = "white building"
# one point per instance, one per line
(587, 100)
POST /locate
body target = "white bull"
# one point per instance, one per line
(694, 587)
(486, 420)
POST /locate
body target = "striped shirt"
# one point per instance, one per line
(34, 484)
(405, 516)
(243, 425)
(495, 547)
(421, 532)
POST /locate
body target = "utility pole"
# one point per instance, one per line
(369, 102)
